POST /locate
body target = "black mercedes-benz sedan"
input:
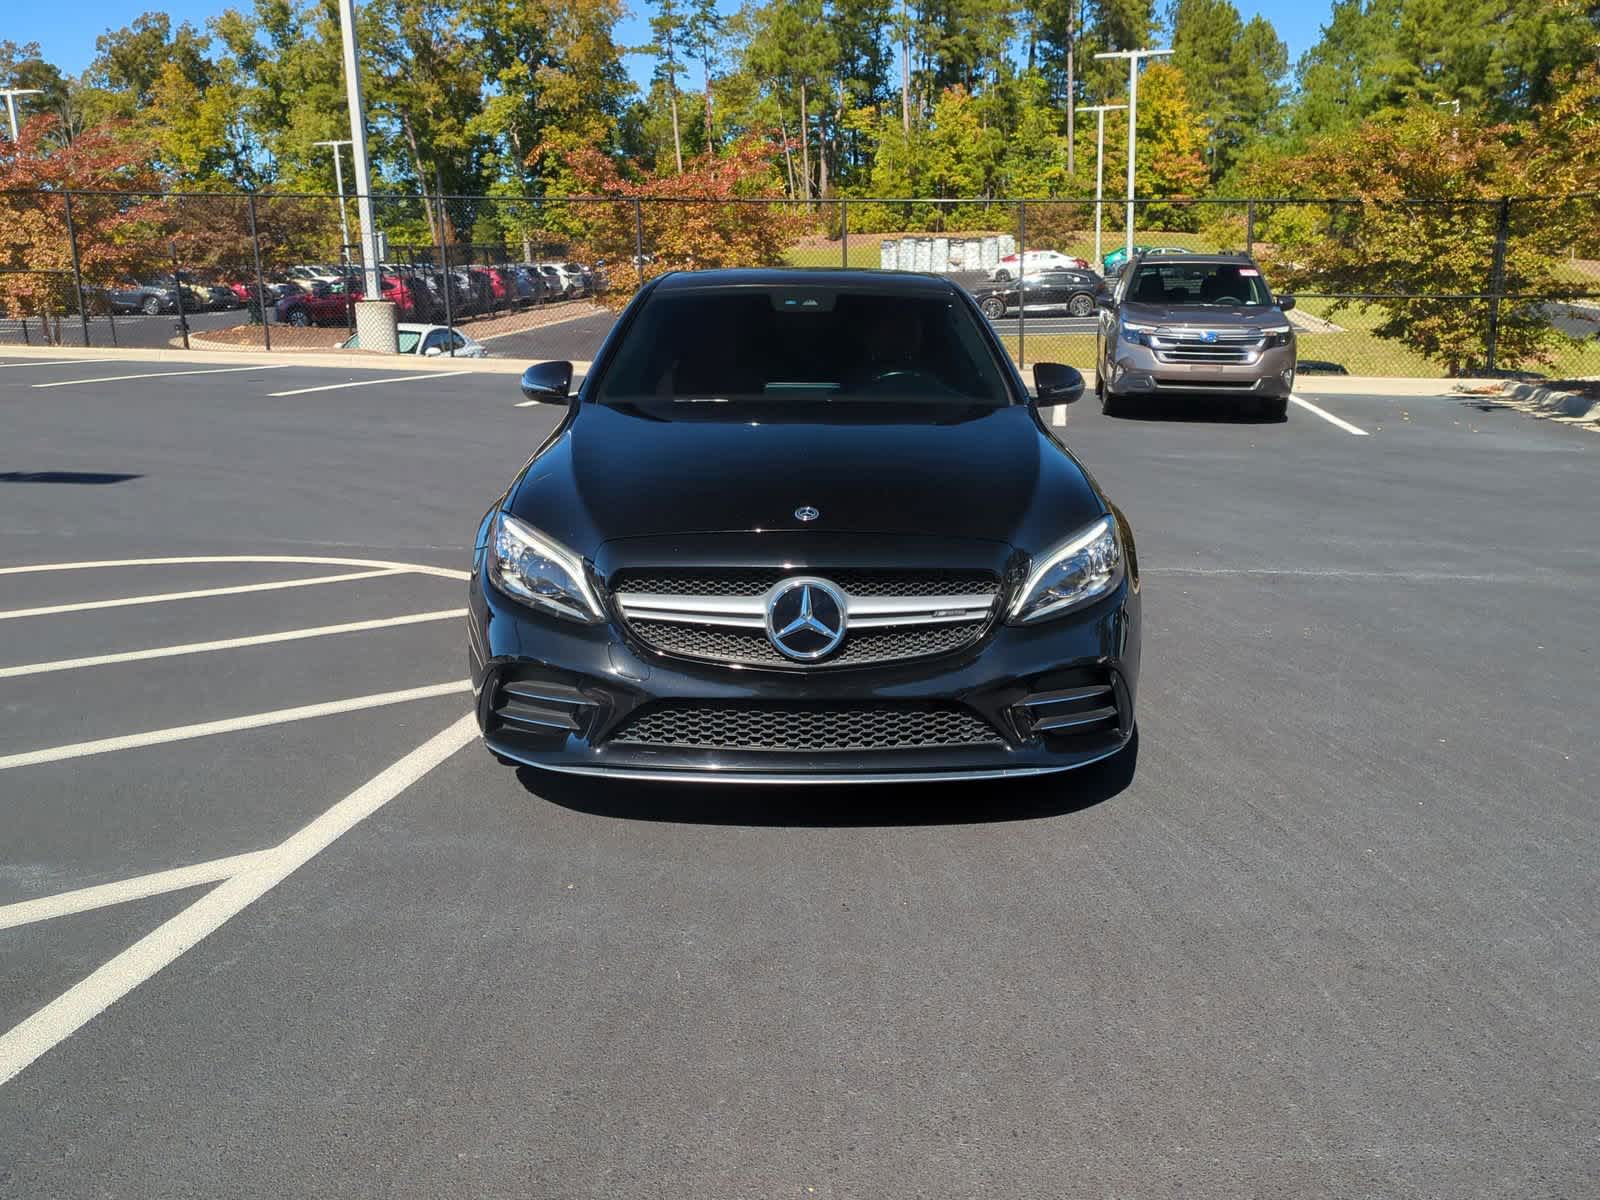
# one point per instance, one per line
(804, 527)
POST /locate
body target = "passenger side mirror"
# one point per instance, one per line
(1055, 383)
(1105, 300)
(549, 382)
(432, 352)
(1285, 303)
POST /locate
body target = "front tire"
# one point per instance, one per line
(1081, 306)
(151, 306)
(1276, 409)
(299, 318)
(993, 308)
(1002, 276)
(1113, 405)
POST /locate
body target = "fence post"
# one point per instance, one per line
(1497, 281)
(638, 240)
(261, 285)
(1022, 294)
(1250, 227)
(444, 267)
(77, 271)
(844, 233)
(177, 287)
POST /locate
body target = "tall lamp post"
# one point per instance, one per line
(375, 317)
(338, 182)
(11, 95)
(1100, 111)
(1134, 57)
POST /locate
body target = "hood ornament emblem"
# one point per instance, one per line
(806, 513)
(806, 618)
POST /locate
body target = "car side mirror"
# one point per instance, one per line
(432, 352)
(1285, 303)
(1055, 383)
(1105, 300)
(549, 382)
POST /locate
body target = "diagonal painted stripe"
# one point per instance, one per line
(87, 999)
(1327, 416)
(164, 597)
(333, 387)
(158, 375)
(63, 904)
(259, 639)
(191, 560)
(180, 733)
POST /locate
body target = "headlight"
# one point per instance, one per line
(1139, 335)
(540, 571)
(1085, 566)
(1278, 335)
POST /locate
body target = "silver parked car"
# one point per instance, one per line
(1194, 323)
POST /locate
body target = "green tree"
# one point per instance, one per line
(1234, 73)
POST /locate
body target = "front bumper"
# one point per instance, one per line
(592, 681)
(1139, 369)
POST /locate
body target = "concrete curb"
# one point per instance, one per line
(334, 360)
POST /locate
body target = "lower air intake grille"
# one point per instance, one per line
(797, 729)
(751, 647)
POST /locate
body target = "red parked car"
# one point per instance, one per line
(330, 303)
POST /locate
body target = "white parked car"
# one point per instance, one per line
(1037, 260)
(428, 341)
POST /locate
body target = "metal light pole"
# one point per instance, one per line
(377, 330)
(11, 95)
(1100, 111)
(1133, 57)
(338, 182)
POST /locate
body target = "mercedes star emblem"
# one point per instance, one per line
(806, 513)
(806, 618)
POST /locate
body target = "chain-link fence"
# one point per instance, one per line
(1383, 287)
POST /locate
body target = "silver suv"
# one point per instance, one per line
(1194, 323)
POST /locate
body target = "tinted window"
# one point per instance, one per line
(803, 344)
(1199, 283)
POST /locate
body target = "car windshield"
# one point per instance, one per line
(407, 339)
(802, 344)
(1227, 284)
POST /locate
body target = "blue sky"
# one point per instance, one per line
(66, 32)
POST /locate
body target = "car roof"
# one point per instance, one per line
(1168, 257)
(904, 283)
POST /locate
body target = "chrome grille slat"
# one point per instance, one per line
(750, 648)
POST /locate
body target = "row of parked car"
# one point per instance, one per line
(308, 294)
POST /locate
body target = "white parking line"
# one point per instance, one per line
(159, 375)
(163, 597)
(63, 904)
(194, 560)
(81, 1003)
(333, 387)
(1058, 416)
(1329, 417)
(180, 733)
(259, 639)
(51, 362)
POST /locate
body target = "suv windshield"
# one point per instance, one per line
(803, 344)
(1230, 284)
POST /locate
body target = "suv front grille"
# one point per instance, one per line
(759, 580)
(750, 646)
(1207, 345)
(800, 729)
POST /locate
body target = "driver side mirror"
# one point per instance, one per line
(1054, 383)
(1285, 303)
(549, 382)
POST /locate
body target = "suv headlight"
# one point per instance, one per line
(540, 571)
(1138, 335)
(1084, 567)
(1278, 335)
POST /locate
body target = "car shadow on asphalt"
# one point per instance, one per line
(1210, 410)
(957, 803)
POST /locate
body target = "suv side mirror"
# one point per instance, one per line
(1285, 303)
(1106, 300)
(549, 382)
(1054, 383)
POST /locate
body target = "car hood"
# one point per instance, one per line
(1210, 315)
(878, 468)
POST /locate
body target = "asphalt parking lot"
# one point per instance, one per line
(272, 924)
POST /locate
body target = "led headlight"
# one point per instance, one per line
(540, 571)
(1138, 335)
(1278, 335)
(1084, 567)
